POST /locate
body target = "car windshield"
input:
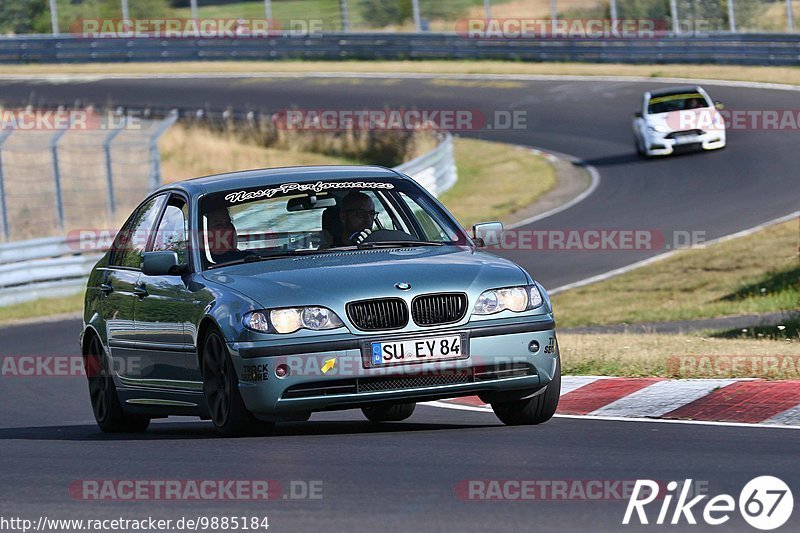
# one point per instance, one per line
(252, 224)
(676, 102)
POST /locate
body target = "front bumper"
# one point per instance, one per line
(658, 143)
(500, 363)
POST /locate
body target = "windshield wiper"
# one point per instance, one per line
(394, 244)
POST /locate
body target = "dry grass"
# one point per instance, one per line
(773, 17)
(684, 356)
(754, 274)
(187, 152)
(495, 180)
(539, 9)
(788, 75)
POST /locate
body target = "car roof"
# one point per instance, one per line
(675, 90)
(276, 176)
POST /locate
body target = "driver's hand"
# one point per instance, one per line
(358, 238)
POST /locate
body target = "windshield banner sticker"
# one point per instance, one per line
(244, 196)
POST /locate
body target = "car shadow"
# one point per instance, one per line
(632, 157)
(204, 430)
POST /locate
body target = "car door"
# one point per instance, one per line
(165, 308)
(120, 288)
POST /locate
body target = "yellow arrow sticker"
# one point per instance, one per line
(329, 364)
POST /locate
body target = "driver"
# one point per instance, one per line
(222, 236)
(357, 215)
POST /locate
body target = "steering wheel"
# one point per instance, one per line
(389, 235)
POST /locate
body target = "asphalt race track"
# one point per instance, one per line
(404, 476)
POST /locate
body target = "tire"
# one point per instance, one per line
(221, 390)
(103, 394)
(535, 410)
(389, 413)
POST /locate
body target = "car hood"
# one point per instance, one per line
(704, 118)
(332, 279)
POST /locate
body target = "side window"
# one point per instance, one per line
(432, 229)
(173, 231)
(132, 238)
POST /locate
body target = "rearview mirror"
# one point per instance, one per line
(487, 233)
(161, 264)
(309, 202)
(638, 114)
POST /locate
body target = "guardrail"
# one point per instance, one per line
(57, 266)
(727, 48)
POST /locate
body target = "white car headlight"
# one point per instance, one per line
(515, 299)
(291, 319)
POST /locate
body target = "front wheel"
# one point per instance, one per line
(535, 410)
(221, 390)
(103, 394)
(389, 413)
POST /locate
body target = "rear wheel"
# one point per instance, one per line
(221, 390)
(389, 413)
(103, 394)
(535, 410)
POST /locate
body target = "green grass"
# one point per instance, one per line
(494, 180)
(42, 307)
(755, 274)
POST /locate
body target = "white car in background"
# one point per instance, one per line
(678, 119)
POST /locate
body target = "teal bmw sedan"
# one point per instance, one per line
(263, 296)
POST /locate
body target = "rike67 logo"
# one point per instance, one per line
(765, 503)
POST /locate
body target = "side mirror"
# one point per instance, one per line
(638, 114)
(719, 105)
(161, 264)
(487, 233)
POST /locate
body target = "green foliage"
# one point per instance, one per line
(381, 13)
(22, 17)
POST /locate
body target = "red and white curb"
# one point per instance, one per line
(734, 401)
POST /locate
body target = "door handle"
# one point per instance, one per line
(106, 289)
(140, 291)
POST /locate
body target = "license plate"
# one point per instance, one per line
(687, 140)
(407, 351)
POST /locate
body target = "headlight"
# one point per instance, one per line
(291, 319)
(515, 299)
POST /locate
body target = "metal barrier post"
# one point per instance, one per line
(3, 136)
(673, 14)
(54, 17)
(268, 12)
(789, 17)
(554, 10)
(415, 11)
(614, 13)
(57, 174)
(731, 17)
(487, 8)
(345, 16)
(155, 157)
(112, 204)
